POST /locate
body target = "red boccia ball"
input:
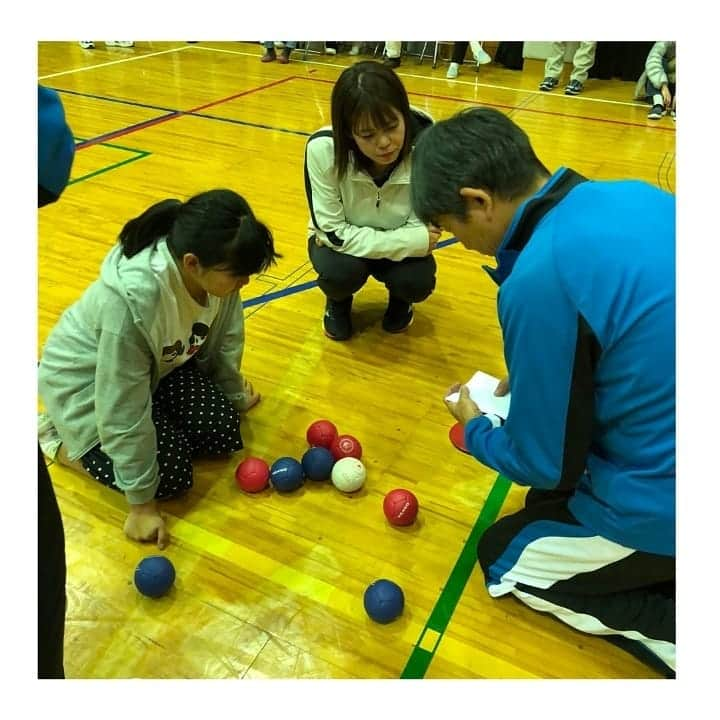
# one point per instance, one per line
(400, 507)
(252, 475)
(321, 434)
(346, 446)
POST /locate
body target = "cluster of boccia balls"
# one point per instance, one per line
(333, 456)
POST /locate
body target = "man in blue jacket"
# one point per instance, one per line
(56, 149)
(587, 308)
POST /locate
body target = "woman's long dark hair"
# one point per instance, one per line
(216, 226)
(366, 89)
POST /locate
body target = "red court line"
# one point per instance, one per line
(513, 107)
(245, 92)
(172, 116)
(125, 131)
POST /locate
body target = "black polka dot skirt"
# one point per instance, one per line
(192, 418)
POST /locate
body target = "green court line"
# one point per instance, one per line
(139, 155)
(108, 168)
(439, 619)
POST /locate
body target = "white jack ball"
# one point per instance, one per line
(348, 474)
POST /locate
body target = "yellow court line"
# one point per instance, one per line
(113, 62)
(455, 82)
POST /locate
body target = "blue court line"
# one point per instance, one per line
(269, 297)
(294, 289)
(249, 124)
(169, 112)
(292, 272)
(116, 100)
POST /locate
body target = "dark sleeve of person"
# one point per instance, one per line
(51, 579)
(56, 147)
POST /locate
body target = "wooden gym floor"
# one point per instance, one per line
(272, 585)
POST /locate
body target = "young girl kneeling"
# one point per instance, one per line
(140, 375)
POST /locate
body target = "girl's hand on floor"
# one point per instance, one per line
(251, 397)
(145, 524)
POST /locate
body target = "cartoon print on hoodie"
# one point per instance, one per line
(170, 352)
(197, 337)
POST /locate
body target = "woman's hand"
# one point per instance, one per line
(433, 237)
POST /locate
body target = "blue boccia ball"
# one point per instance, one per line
(384, 601)
(286, 474)
(317, 463)
(154, 576)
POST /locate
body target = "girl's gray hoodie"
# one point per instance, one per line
(101, 364)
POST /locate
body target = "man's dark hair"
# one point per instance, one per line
(479, 148)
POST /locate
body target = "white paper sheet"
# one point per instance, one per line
(482, 387)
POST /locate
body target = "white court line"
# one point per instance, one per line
(455, 82)
(529, 92)
(114, 62)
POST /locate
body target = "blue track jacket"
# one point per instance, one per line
(587, 310)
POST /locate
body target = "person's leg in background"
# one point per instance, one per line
(553, 66)
(284, 56)
(479, 53)
(673, 107)
(457, 59)
(582, 62)
(51, 579)
(393, 49)
(656, 100)
(270, 53)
